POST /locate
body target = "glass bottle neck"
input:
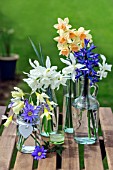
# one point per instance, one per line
(85, 87)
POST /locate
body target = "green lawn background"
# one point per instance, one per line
(35, 18)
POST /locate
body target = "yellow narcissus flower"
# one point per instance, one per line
(8, 121)
(18, 93)
(18, 106)
(40, 97)
(47, 114)
(49, 104)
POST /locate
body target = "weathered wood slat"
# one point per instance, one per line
(24, 161)
(7, 144)
(106, 120)
(92, 157)
(70, 156)
(81, 130)
(49, 163)
(2, 112)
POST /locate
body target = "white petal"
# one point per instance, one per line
(72, 59)
(36, 63)
(65, 61)
(60, 20)
(31, 63)
(103, 58)
(107, 67)
(48, 62)
(66, 20)
(4, 117)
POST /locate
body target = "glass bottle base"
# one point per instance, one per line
(68, 130)
(47, 134)
(26, 149)
(85, 140)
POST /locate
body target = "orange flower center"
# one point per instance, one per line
(61, 26)
(82, 36)
(62, 40)
(30, 113)
(74, 48)
(65, 52)
(72, 35)
(39, 153)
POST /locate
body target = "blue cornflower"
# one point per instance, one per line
(39, 153)
(86, 57)
(30, 113)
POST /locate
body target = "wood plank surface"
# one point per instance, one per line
(70, 155)
(2, 112)
(106, 121)
(24, 161)
(92, 157)
(7, 144)
(49, 163)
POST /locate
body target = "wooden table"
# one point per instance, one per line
(70, 159)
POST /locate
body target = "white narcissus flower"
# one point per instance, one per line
(103, 68)
(43, 77)
(70, 69)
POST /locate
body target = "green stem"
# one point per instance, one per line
(89, 130)
(68, 122)
(93, 123)
(35, 139)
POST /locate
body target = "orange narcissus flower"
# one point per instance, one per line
(65, 52)
(82, 36)
(62, 24)
(61, 40)
(74, 48)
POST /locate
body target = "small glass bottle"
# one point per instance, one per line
(27, 135)
(71, 91)
(86, 114)
(50, 126)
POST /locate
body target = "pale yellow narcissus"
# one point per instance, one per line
(47, 114)
(62, 24)
(50, 104)
(8, 121)
(18, 93)
(18, 106)
(40, 97)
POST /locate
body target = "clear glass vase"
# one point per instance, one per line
(70, 91)
(27, 135)
(50, 126)
(86, 114)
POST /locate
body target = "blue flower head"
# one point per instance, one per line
(89, 59)
(30, 113)
(39, 153)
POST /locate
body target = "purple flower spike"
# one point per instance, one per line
(30, 113)
(39, 153)
(90, 60)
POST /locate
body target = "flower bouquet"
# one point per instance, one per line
(83, 65)
(34, 112)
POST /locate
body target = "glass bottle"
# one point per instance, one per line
(71, 91)
(27, 135)
(85, 114)
(50, 126)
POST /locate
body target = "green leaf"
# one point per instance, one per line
(36, 51)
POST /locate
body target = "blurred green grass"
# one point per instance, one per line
(36, 19)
